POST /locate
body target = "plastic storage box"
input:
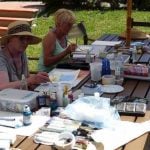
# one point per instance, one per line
(15, 99)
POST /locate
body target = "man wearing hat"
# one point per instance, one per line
(13, 60)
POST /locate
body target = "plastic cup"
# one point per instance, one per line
(95, 69)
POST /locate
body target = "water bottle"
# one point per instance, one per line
(88, 57)
(24, 85)
(27, 115)
(134, 54)
(106, 67)
(119, 71)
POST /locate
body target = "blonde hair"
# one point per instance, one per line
(64, 16)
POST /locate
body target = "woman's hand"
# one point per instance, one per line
(71, 48)
(38, 78)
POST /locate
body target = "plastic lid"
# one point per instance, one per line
(26, 108)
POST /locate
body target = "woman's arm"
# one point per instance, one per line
(48, 48)
(32, 80)
(4, 81)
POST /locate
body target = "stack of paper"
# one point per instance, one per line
(59, 125)
(81, 56)
(100, 46)
(106, 43)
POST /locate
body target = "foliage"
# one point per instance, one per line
(52, 5)
(141, 4)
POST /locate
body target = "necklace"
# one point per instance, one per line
(17, 70)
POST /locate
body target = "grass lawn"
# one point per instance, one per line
(96, 23)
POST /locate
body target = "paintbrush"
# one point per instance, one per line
(77, 45)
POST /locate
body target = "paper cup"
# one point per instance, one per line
(108, 79)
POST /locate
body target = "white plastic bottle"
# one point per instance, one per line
(59, 95)
(27, 115)
(24, 85)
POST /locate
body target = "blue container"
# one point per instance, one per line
(106, 67)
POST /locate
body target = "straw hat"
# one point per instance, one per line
(135, 34)
(20, 28)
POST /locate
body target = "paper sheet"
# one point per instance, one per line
(83, 48)
(106, 43)
(60, 76)
(37, 122)
(121, 133)
(63, 75)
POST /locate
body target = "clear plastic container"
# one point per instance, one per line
(24, 85)
(119, 70)
(15, 99)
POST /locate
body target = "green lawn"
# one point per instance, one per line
(97, 24)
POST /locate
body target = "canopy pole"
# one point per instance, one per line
(128, 23)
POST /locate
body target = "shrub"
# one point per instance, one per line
(53, 5)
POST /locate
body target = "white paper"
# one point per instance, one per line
(97, 49)
(4, 144)
(63, 75)
(106, 43)
(121, 133)
(9, 114)
(7, 136)
(83, 48)
(37, 122)
(81, 56)
(46, 87)
(61, 125)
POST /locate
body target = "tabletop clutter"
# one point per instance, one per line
(75, 116)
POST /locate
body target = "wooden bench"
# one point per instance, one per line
(5, 21)
(13, 11)
(22, 13)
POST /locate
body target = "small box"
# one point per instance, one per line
(121, 107)
(140, 107)
(130, 107)
(15, 99)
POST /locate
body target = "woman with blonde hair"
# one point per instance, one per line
(55, 48)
